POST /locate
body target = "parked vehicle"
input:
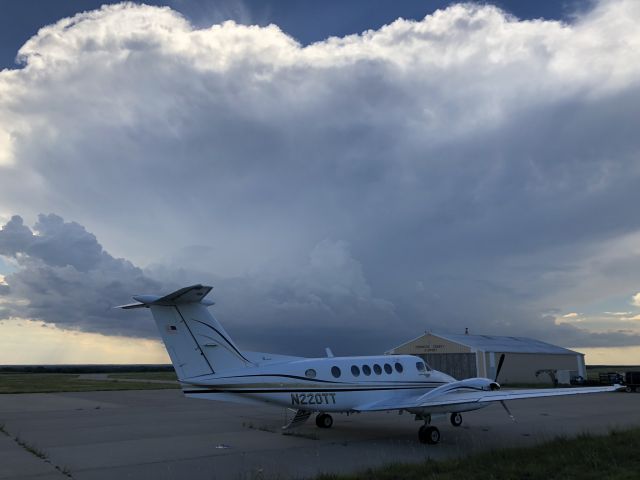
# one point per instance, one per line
(611, 378)
(632, 381)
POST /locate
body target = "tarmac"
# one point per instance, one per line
(160, 434)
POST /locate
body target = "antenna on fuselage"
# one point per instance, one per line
(329, 352)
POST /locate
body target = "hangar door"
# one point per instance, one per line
(458, 365)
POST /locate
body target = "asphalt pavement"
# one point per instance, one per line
(162, 435)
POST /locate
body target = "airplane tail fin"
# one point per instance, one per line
(196, 342)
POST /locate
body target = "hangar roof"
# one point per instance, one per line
(493, 343)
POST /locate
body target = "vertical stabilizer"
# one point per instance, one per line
(196, 342)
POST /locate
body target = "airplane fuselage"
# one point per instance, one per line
(331, 384)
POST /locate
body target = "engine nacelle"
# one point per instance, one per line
(466, 384)
(460, 385)
(477, 383)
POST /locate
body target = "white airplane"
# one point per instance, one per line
(210, 365)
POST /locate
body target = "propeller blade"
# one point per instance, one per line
(500, 362)
(504, 405)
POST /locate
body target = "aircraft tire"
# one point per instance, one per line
(429, 434)
(456, 419)
(324, 420)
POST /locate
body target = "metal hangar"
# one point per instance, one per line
(466, 356)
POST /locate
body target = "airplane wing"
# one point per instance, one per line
(469, 397)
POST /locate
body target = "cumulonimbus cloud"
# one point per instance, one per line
(481, 169)
(64, 276)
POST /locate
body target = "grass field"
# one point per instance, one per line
(614, 457)
(63, 382)
(166, 376)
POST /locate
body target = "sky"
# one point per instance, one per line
(345, 174)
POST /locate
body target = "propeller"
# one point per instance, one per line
(502, 402)
(500, 362)
(504, 405)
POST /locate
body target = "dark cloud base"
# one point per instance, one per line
(65, 277)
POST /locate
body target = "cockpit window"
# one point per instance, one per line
(420, 366)
(311, 373)
(366, 369)
(377, 369)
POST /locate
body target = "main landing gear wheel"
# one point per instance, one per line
(429, 434)
(456, 419)
(324, 420)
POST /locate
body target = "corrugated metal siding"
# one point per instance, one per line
(481, 365)
(524, 356)
(522, 367)
(458, 365)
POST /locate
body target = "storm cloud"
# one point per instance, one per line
(467, 170)
(64, 277)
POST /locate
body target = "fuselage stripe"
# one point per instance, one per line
(287, 390)
(225, 339)
(194, 339)
(317, 380)
(283, 376)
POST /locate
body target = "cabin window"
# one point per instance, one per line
(388, 369)
(377, 369)
(420, 366)
(311, 373)
(398, 367)
(355, 371)
(335, 371)
(366, 369)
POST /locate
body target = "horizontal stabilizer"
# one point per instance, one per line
(132, 305)
(192, 294)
